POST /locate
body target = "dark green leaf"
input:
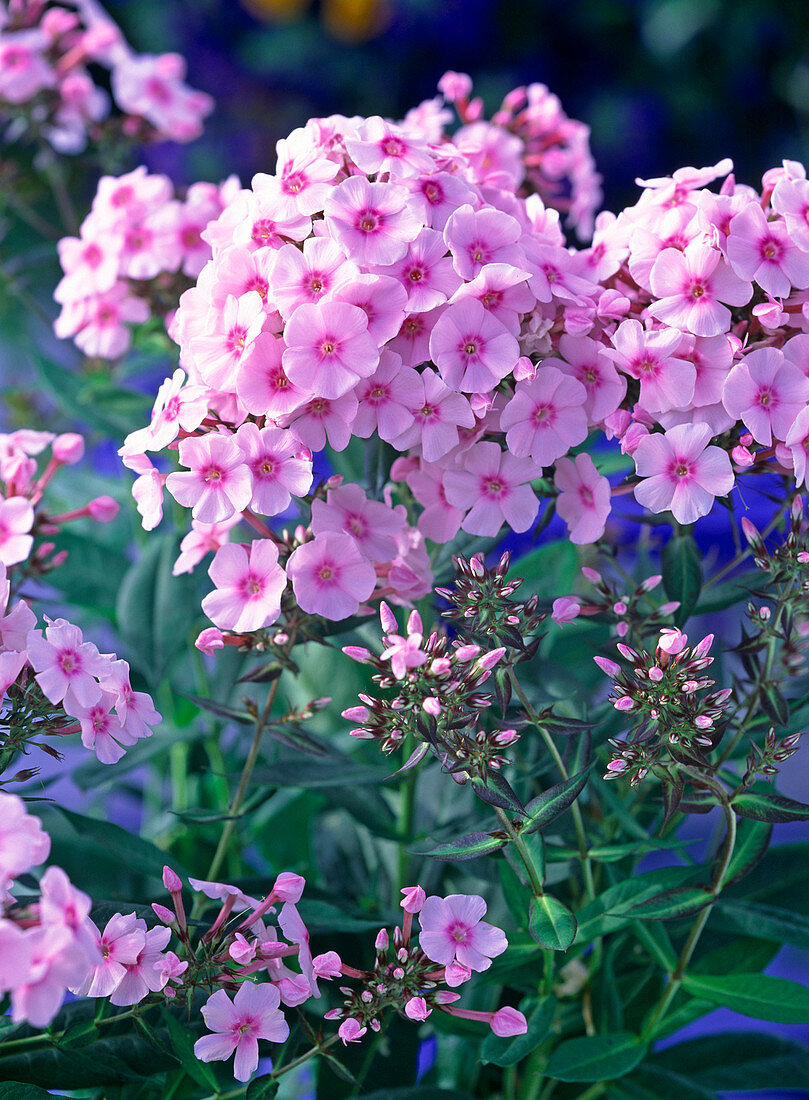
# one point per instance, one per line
(508, 1052)
(262, 1088)
(743, 1060)
(774, 705)
(182, 1044)
(551, 923)
(761, 996)
(515, 892)
(610, 910)
(15, 1090)
(752, 841)
(496, 790)
(334, 772)
(649, 1082)
(681, 565)
(770, 807)
(682, 901)
(549, 805)
(765, 922)
(596, 1058)
(221, 710)
(471, 846)
(416, 1092)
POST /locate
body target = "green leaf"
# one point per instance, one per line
(516, 894)
(471, 846)
(182, 1044)
(681, 565)
(551, 923)
(761, 996)
(683, 901)
(15, 1090)
(262, 1088)
(770, 807)
(508, 1052)
(221, 710)
(416, 1092)
(549, 569)
(743, 1060)
(649, 1082)
(765, 922)
(155, 611)
(596, 1058)
(611, 910)
(333, 772)
(551, 803)
(774, 705)
(752, 841)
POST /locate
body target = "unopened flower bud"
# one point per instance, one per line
(413, 899)
(103, 509)
(172, 881)
(68, 448)
(163, 914)
(507, 1022)
(382, 940)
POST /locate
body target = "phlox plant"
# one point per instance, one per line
(460, 599)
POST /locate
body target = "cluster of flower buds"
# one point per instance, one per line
(630, 610)
(482, 610)
(453, 942)
(435, 696)
(786, 562)
(23, 482)
(138, 249)
(775, 751)
(664, 694)
(552, 156)
(47, 91)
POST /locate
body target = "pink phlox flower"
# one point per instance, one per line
(295, 931)
(797, 446)
(766, 392)
(681, 473)
(372, 222)
(410, 574)
(555, 275)
(691, 287)
(66, 666)
(416, 1009)
(237, 1025)
(412, 341)
(249, 585)
(584, 498)
(238, 271)
(297, 277)
(440, 195)
(329, 348)
(372, 524)
(62, 905)
(437, 415)
(501, 289)
(135, 709)
(763, 251)
(658, 230)
(23, 842)
(147, 489)
(255, 222)
(218, 354)
(439, 520)
(119, 946)
(565, 610)
(381, 298)
(351, 1031)
(24, 70)
(219, 482)
(507, 1022)
(321, 419)
(382, 146)
(170, 968)
(790, 199)
(493, 484)
(123, 200)
(495, 156)
(327, 965)
(472, 350)
(546, 416)
(98, 324)
(405, 652)
(242, 951)
(425, 272)
(101, 730)
(583, 359)
(54, 966)
(666, 380)
(202, 539)
(712, 357)
(145, 975)
(331, 576)
(479, 237)
(452, 929)
(262, 384)
(90, 264)
(386, 400)
(176, 406)
(151, 86)
(671, 191)
(304, 177)
(277, 464)
(222, 891)
(16, 521)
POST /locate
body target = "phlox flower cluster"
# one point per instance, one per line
(433, 692)
(666, 695)
(138, 249)
(453, 943)
(630, 610)
(47, 86)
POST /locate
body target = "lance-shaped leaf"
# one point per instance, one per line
(551, 923)
(471, 846)
(682, 901)
(770, 807)
(496, 790)
(765, 922)
(546, 807)
(761, 996)
(262, 1088)
(681, 565)
(774, 705)
(596, 1058)
(221, 710)
(740, 1060)
(752, 841)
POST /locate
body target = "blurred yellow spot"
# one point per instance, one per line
(355, 20)
(286, 10)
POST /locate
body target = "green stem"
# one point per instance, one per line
(407, 809)
(534, 876)
(676, 978)
(244, 781)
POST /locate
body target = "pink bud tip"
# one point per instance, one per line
(388, 621)
(327, 965)
(210, 640)
(172, 881)
(591, 575)
(608, 666)
(413, 900)
(624, 703)
(68, 448)
(357, 653)
(382, 940)
(431, 706)
(565, 610)
(508, 1021)
(289, 886)
(103, 509)
(416, 1009)
(163, 914)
